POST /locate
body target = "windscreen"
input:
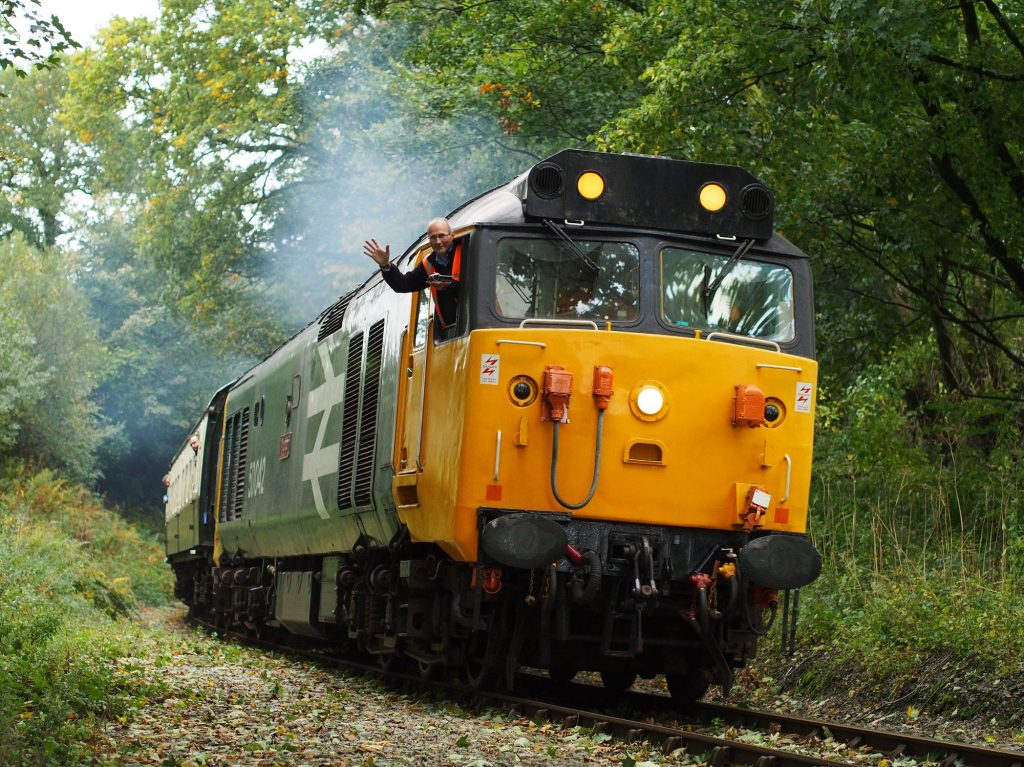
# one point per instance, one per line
(750, 298)
(551, 279)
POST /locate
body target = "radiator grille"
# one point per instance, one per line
(330, 321)
(349, 422)
(363, 490)
(232, 481)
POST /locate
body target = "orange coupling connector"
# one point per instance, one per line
(755, 508)
(557, 388)
(749, 406)
(602, 386)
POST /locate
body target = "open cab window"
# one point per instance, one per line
(548, 279)
(752, 298)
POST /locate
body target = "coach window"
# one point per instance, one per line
(752, 298)
(548, 279)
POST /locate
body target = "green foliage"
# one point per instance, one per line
(29, 38)
(40, 302)
(906, 472)
(41, 165)
(70, 569)
(940, 642)
(537, 70)
(20, 376)
(194, 123)
(159, 373)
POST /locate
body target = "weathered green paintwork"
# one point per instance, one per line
(291, 496)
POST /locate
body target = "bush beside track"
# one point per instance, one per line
(71, 575)
(903, 650)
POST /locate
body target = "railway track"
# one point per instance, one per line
(635, 716)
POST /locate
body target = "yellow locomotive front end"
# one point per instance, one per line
(617, 438)
(683, 441)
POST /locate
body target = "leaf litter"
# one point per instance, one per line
(209, 703)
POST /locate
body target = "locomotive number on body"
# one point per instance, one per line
(257, 475)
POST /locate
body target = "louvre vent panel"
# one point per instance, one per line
(240, 464)
(333, 318)
(227, 472)
(363, 490)
(349, 422)
(548, 181)
(757, 201)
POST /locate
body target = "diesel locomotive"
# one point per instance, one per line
(602, 464)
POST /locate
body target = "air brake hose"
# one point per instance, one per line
(584, 594)
(597, 465)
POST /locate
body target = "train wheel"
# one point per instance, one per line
(481, 666)
(430, 672)
(617, 681)
(686, 688)
(562, 674)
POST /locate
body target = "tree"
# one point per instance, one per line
(194, 123)
(29, 39)
(536, 69)
(56, 362)
(159, 375)
(42, 167)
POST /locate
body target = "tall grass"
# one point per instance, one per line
(71, 573)
(925, 527)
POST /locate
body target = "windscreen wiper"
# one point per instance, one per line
(574, 248)
(708, 291)
(516, 288)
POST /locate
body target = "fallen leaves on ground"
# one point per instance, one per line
(212, 703)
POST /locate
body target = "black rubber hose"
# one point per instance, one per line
(584, 595)
(597, 465)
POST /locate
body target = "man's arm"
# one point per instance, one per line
(409, 282)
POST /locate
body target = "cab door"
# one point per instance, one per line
(408, 458)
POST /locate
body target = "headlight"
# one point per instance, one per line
(649, 401)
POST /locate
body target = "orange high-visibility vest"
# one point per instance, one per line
(428, 267)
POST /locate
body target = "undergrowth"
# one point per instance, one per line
(73, 572)
(918, 510)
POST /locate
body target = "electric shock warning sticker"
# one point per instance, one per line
(803, 397)
(489, 368)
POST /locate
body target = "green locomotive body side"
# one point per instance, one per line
(305, 438)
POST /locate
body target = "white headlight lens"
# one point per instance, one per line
(650, 401)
